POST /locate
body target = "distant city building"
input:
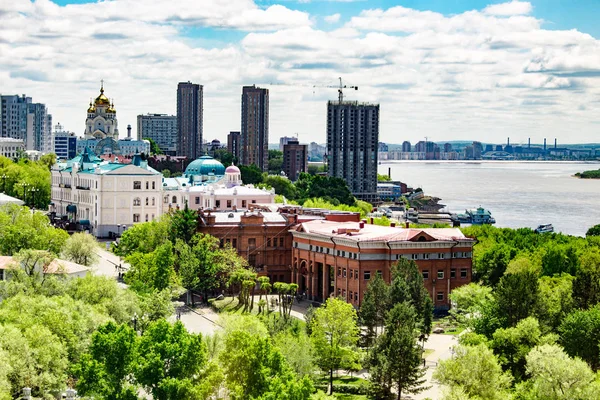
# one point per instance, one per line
(295, 159)
(162, 129)
(389, 191)
(285, 140)
(447, 147)
(352, 144)
(421, 147)
(382, 147)
(233, 144)
(190, 112)
(254, 143)
(406, 148)
(489, 147)
(27, 121)
(64, 143)
(477, 150)
(210, 148)
(316, 152)
(498, 147)
(101, 134)
(10, 148)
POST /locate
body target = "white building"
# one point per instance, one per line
(11, 148)
(206, 184)
(56, 267)
(105, 195)
(161, 128)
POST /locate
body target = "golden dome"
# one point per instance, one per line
(111, 108)
(102, 100)
(92, 109)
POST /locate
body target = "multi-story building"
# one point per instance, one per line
(340, 258)
(295, 159)
(285, 140)
(30, 122)
(105, 196)
(233, 144)
(162, 129)
(254, 139)
(39, 128)
(101, 134)
(11, 148)
(64, 143)
(406, 148)
(352, 143)
(316, 152)
(389, 191)
(190, 110)
(477, 150)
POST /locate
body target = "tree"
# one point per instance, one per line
(154, 147)
(556, 376)
(144, 237)
(586, 286)
(332, 189)
(555, 301)
(374, 307)
(395, 361)
(170, 360)
(593, 231)
(298, 352)
(383, 178)
(334, 333)
(184, 224)
(152, 271)
(580, 335)
(516, 295)
(81, 248)
(282, 186)
(475, 371)
(275, 161)
(469, 300)
(48, 160)
(251, 174)
(224, 156)
(559, 259)
(105, 370)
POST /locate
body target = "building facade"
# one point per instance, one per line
(352, 144)
(295, 159)
(190, 110)
(27, 121)
(64, 143)
(162, 129)
(285, 140)
(106, 196)
(11, 148)
(233, 144)
(339, 259)
(254, 139)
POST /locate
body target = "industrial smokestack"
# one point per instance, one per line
(508, 143)
(555, 143)
(129, 131)
(544, 144)
(529, 143)
(390, 173)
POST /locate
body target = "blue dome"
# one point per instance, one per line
(205, 165)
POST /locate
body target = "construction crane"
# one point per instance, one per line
(339, 87)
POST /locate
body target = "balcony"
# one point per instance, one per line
(83, 187)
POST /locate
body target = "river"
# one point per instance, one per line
(519, 194)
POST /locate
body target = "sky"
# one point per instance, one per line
(441, 69)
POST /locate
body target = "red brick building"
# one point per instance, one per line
(339, 258)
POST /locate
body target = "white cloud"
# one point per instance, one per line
(477, 74)
(332, 19)
(510, 8)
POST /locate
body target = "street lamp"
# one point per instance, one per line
(33, 190)
(134, 320)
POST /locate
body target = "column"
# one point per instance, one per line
(325, 282)
(314, 282)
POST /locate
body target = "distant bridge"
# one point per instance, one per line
(497, 155)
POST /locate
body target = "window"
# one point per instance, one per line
(367, 275)
(440, 274)
(426, 256)
(356, 296)
(1, 274)
(414, 256)
(147, 201)
(463, 273)
(344, 272)
(197, 200)
(243, 203)
(146, 217)
(174, 200)
(228, 203)
(153, 203)
(440, 296)
(218, 203)
(137, 202)
(379, 273)
(166, 199)
(339, 271)
(253, 201)
(137, 185)
(425, 274)
(252, 242)
(234, 243)
(453, 273)
(441, 255)
(281, 242)
(146, 185)
(136, 217)
(339, 292)
(268, 242)
(153, 185)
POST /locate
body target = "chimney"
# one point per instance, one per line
(393, 224)
(544, 144)
(129, 131)
(555, 143)
(529, 143)
(364, 220)
(390, 173)
(361, 225)
(508, 144)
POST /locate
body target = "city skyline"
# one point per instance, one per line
(484, 70)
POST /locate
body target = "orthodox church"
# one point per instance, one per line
(102, 133)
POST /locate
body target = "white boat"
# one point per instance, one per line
(546, 228)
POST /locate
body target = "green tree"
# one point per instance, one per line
(516, 296)
(334, 333)
(586, 286)
(331, 189)
(224, 156)
(580, 335)
(154, 147)
(105, 370)
(374, 307)
(475, 371)
(555, 301)
(298, 352)
(275, 161)
(144, 237)
(559, 259)
(48, 160)
(383, 178)
(556, 376)
(395, 361)
(282, 186)
(251, 174)
(184, 224)
(81, 248)
(170, 360)
(468, 301)
(593, 231)
(152, 271)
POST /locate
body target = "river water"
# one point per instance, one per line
(518, 194)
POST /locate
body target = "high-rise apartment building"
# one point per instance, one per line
(233, 144)
(189, 119)
(64, 143)
(352, 143)
(162, 129)
(295, 159)
(39, 128)
(254, 143)
(27, 121)
(406, 147)
(13, 115)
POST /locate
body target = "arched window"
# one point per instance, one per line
(166, 199)
(146, 185)
(147, 201)
(174, 199)
(137, 202)
(153, 201)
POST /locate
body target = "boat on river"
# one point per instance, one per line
(545, 228)
(476, 216)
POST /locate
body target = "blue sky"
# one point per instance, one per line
(445, 69)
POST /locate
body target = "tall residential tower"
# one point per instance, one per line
(352, 143)
(254, 143)
(189, 119)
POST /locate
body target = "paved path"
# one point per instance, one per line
(199, 320)
(107, 262)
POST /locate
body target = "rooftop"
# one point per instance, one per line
(57, 266)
